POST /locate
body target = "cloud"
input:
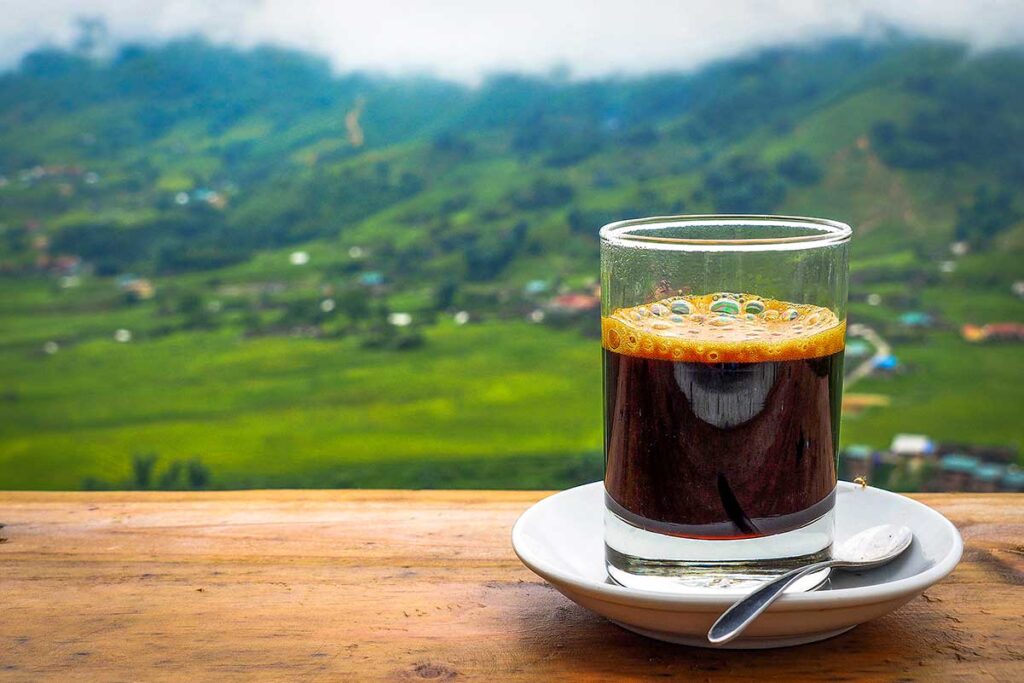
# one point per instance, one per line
(465, 39)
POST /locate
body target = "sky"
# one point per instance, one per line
(467, 39)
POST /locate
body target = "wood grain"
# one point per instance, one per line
(400, 586)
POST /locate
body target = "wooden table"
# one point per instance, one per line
(387, 585)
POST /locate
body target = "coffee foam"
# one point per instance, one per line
(723, 328)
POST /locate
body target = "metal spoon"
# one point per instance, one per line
(865, 550)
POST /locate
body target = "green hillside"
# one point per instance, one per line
(204, 172)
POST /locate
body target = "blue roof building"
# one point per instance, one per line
(957, 462)
(916, 319)
(988, 472)
(857, 348)
(1013, 479)
(858, 452)
(371, 279)
(536, 287)
(887, 363)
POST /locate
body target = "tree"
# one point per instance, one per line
(543, 194)
(451, 143)
(743, 185)
(197, 474)
(354, 304)
(444, 298)
(171, 478)
(800, 168)
(143, 465)
(190, 306)
(989, 213)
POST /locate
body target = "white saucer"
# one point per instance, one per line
(561, 539)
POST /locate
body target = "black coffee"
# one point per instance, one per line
(722, 415)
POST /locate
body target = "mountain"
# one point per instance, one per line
(200, 170)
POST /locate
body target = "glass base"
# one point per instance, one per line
(645, 560)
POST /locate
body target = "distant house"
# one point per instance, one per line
(66, 265)
(910, 445)
(987, 477)
(574, 303)
(857, 348)
(136, 288)
(1004, 332)
(972, 333)
(211, 197)
(993, 332)
(887, 363)
(1013, 479)
(534, 287)
(857, 461)
(916, 319)
(372, 278)
(956, 472)
(399, 319)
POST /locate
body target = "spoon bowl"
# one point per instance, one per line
(873, 547)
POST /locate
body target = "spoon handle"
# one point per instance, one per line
(736, 619)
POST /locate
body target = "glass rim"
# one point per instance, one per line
(820, 232)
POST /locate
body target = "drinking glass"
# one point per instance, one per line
(723, 343)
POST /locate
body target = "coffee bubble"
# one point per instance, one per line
(724, 305)
(681, 307)
(753, 307)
